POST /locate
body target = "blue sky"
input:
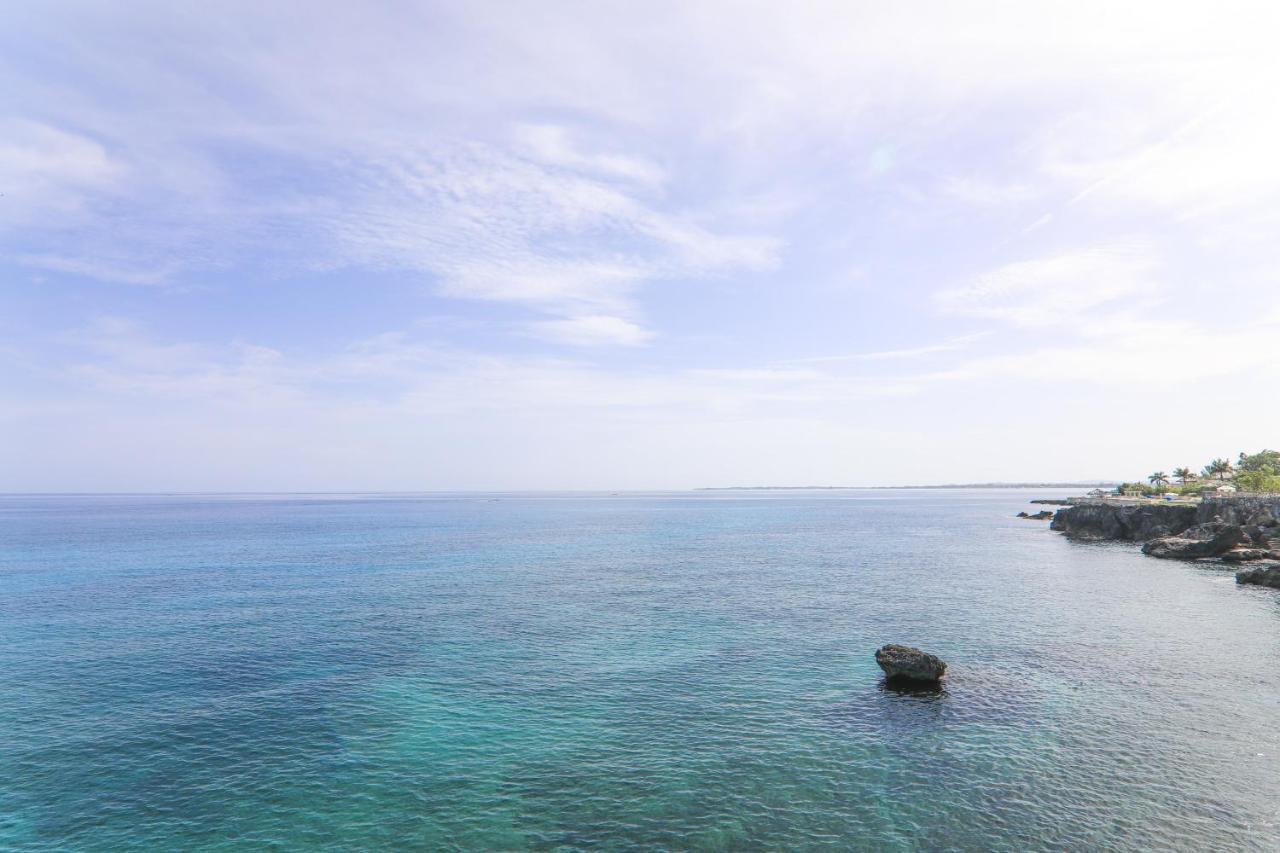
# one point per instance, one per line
(633, 245)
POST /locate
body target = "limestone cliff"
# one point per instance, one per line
(1131, 522)
(1139, 522)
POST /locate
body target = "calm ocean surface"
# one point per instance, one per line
(641, 671)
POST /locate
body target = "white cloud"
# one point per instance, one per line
(553, 145)
(1057, 290)
(983, 192)
(47, 174)
(492, 226)
(559, 285)
(103, 270)
(592, 330)
(949, 345)
(1167, 358)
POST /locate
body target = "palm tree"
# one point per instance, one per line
(1158, 479)
(1219, 468)
(1183, 474)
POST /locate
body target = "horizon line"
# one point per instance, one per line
(224, 492)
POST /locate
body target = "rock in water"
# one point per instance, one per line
(1267, 575)
(1205, 540)
(1116, 520)
(1245, 555)
(906, 663)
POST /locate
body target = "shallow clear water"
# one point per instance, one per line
(681, 671)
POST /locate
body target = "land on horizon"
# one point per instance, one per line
(1047, 485)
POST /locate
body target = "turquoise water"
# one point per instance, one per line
(659, 671)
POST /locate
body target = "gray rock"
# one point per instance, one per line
(1245, 555)
(1196, 542)
(909, 664)
(1137, 522)
(1209, 529)
(1241, 510)
(1267, 574)
(1130, 522)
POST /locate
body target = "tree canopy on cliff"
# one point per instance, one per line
(1259, 472)
(1252, 472)
(1219, 468)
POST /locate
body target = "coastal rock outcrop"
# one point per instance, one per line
(1042, 515)
(1232, 530)
(1261, 575)
(1262, 512)
(1133, 522)
(1137, 521)
(1265, 535)
(1204, 540)
(1245, 555)
(909, 664)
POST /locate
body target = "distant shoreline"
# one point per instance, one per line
(1078, 485)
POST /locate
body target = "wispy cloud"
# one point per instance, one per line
(592, 330)
(948, 345)
(1059, 289)
(572, 238)
(100, 269)
(553, 145)
(48, 174)
(643, 220)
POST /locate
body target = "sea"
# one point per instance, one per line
(632, 671)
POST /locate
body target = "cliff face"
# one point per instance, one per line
(1140, 522)
(1240, 510)
(1128, 522)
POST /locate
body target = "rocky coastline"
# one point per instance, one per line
(1238, 531)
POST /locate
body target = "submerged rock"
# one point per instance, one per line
(1262, 575)
(910, 664)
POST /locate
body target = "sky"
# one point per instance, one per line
(319, 246)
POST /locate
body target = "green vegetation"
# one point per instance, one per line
(1259, 472)
(1256, 472)
(1219, 468)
